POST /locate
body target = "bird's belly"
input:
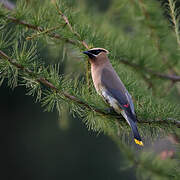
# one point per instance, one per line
(112, 102)
(96, 79)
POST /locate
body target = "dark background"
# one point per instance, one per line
(37, 148)
(34, 147)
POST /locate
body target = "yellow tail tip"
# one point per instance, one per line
(140, 143)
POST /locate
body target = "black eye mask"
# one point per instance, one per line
(93, 53)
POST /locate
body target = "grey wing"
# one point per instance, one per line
(115, 89)
(111, 100)
(129, 97)
(108, 97)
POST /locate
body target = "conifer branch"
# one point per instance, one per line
(170, 121)
(47, 31)
(70, 26)
(50, 85)
(76, 100)
(173, 15)
(173, 78)
(11, 6)
(78, 36)
(136, 66)
(40, 29)
(54, 35)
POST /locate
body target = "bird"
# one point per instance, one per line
(108, 85)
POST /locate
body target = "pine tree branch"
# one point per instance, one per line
(136, 66)
(73, 98)
(78, 36)
(173, 15)
(50, 85)
(76, 100)
(47, 31)
(173, 78)
(10, 6)
(159, 122)
(66, 20)
(40, 29)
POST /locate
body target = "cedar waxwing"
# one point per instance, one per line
(108, 85)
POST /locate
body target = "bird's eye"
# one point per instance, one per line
(95, 52)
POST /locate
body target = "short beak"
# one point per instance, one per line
(87, 53)
(90, 55)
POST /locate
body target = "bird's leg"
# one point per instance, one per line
(110, 110)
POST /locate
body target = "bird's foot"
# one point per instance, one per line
(110, 111)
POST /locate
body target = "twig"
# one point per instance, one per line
(170, 121)
(136, 66)
(57, 36)
(46, 83)
(40, 29)
(46, 31)
(70, 27)
(50, 85)
(78, 36)
(175, 22)
(157, 74)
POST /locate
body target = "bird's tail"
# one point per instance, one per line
(137, 137)
(133, 126)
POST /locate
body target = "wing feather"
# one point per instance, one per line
(115, 90)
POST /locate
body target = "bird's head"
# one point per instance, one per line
(96, 53)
